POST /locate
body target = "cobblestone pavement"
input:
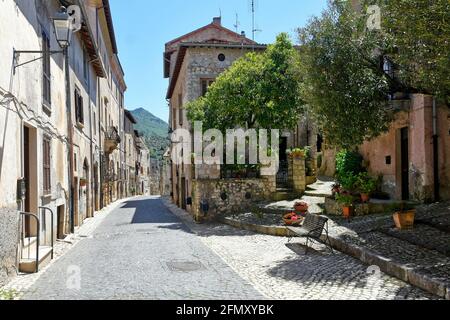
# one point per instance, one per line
(144, 251)
(23, 281)
(281, 270)
(141, 251)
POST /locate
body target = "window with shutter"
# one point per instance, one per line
(79, 107)
(46, 161)
(46, 78)
(205, 83)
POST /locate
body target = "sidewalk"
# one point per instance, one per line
(420, 256)
(23, 281)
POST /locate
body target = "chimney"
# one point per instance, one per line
(243, 34)
(217, 21)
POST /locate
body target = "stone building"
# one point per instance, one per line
(66, 159)
(413, 157)
(142, 165)
(130, 153)
(192, 62)
(165, 173)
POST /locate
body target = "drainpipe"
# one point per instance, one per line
(70, 137)
(435, 153)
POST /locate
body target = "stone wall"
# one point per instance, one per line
(240, 195)
(8, 243)
(298, 172)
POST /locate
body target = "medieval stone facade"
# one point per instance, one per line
(60, 134)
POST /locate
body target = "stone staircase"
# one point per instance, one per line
(314, 195)
(27, 263)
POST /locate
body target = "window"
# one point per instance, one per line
(85, 67)
(46, 165)
(79, 112)
(180, 109)
(174, 118)
(205, 85)
(46, 84)
(94, 123)
(221, 57)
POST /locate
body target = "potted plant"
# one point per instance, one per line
(301, 206)
(335, 188)
(296, 153)
(366, 185)
(349, 182)
(404, 219)
(346, 201)
(292, 219)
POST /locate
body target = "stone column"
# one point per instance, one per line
(299, 175)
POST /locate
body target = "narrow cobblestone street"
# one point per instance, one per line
(143, 250)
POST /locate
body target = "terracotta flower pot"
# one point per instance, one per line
(365, 197)
(347, 211)
(301, 207)
(405, 220)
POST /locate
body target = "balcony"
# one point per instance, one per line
(112, 139)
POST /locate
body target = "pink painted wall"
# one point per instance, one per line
(420, 122)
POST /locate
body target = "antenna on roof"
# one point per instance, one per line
(236, 26)
(254, 5)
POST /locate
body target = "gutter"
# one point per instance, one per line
(435, 153)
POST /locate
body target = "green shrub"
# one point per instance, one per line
(348, 162)
(349, 182)
(365, 183)
(345, 199)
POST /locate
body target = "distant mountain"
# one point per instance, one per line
(154, 129)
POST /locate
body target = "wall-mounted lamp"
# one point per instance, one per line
(62, 24)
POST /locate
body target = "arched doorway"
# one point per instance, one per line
(96, 188)
(84, 191)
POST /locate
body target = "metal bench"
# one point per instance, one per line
(312, 229)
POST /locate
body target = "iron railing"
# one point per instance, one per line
(283, 180)
(43, 217)
(23, 236)
(42, 236)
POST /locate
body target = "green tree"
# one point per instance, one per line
(418, 34)
(342, 63)
(260, 90)
(343, 80)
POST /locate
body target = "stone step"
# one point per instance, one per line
(421, 267)
(28, 265)
(424, 236)
(284, 206)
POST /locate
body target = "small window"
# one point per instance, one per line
(85, 66)
(205, 83)
(180, 109)
(46, 77)
(388, 160)
(221, 57)
(46, 161)
(79, 112)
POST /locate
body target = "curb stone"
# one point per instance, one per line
(398, 270)
(367, 256)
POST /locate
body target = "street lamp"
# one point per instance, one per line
(63, 28)
(62, 23)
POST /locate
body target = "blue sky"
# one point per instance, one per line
(143, 27)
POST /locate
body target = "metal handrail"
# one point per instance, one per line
(52, 225)
(38, 226)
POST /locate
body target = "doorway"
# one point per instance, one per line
(283, 171)
(183, 194)
(404, 149)
(60, 223)
(30, 173)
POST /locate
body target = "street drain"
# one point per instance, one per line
(184, 266)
